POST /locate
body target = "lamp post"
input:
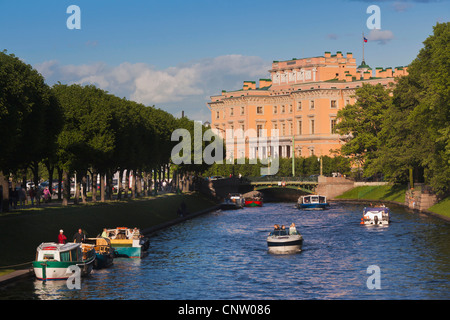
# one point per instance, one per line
(293, 156)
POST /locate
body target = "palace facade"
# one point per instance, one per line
(300, 99)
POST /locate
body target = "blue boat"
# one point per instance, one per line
(104, 252)
(128, 243)
(312, 202)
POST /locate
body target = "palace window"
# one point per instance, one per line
(283, 109)
(290, 108)
(242, 111)
(259, 129)
(299, 105)
(333, 104)
(259, 110)
(217, 114)
(312, 123)
(275, 109)
(311, 104)
(333, 125)
(299, 127)
(231, 111)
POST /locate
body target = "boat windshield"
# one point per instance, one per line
(279, 233)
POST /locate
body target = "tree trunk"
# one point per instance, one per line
(60, 179)
(94, 185)
(133, 184)
(108, 185)
(119, 188)
(4, 205)
(66, 188)
(77, 179)
(127, 184)
(84, 185)
(102, 187)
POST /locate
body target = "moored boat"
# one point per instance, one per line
(312, 202)
(54, 260)
(128, 243)
(284, 241)
(254, 199)
(104, 252)
(233, 201)
(375, 216)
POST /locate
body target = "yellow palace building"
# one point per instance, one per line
(300, 99)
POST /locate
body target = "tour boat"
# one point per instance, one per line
(103, 251)
(233, 201)
(312, 202)
(238, 199)
(128, 243)
(281, 241)
(53, 260)
(253, 199)
(375, 216)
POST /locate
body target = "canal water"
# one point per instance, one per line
(223, 256)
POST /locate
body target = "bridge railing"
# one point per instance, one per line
(312, 178)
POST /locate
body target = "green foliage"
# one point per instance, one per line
(411, 131)
(29, 115)
(303, 167)
(363, 121)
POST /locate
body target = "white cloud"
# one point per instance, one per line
(146, 84)
(381, 36)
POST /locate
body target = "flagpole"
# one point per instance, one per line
(363, 46)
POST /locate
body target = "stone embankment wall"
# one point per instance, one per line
(333, 186)
(420, 198)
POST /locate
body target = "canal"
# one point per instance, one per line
(223, 256)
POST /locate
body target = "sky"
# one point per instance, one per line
(176, 54)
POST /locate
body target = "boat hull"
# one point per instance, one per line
(313, 206)
(130, 248)
(103, 261)
(253, 203)
(58, 270)
(285, 244)
(129, 252)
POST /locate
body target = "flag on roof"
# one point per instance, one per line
(365, 39)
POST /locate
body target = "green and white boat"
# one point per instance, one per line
(53, 260)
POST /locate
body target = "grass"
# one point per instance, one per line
(22, 232)
(442, 207)
(381, 193)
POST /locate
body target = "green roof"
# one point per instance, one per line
(363, 65)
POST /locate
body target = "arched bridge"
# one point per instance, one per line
(307, 184)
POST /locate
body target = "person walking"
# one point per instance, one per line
(32, 194)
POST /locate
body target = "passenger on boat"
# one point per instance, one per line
(104, 233)
(79, 236)
(292, 229)
(61, 237)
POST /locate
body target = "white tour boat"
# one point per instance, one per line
(53, 260)
(375, 216)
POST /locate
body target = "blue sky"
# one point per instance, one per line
(175, 54)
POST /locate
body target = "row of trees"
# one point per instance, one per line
(76, 130)
(403, 132)
(302, 166)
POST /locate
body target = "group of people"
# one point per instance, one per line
(77, 237)
(292, 228)
(18, 197)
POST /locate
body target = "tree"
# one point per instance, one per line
(30, 117)
(362, 123)
(416, 134)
